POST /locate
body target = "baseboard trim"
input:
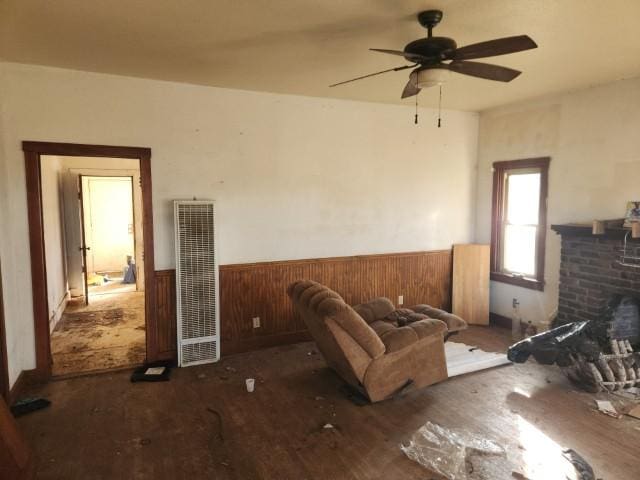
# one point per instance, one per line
(257, 343)
(62, 305)
(499, 320)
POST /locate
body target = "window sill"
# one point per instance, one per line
(524, 282)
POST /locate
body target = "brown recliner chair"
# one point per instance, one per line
(377, 356)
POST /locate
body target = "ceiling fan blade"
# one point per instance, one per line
(492, 48)
(411, 88)
(412, 57)
(484, 70)
(404, 67)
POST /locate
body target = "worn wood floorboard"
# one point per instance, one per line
(104, 427)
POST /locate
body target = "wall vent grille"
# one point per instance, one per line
(196, 283)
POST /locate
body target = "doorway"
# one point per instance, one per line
(92, 215)
(92, 308)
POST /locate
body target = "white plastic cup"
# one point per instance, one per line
(251, 383)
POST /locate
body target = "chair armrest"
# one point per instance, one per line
(454, 322)
(428, 327)
(376, 309)
(398, 339)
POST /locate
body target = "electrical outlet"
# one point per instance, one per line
(400, 299)
(256, 322)
(515, 303)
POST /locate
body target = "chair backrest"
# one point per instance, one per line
(345, 340)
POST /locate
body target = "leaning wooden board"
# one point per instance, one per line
(470, 293)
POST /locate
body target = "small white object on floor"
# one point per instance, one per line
(328, 425)
(154, 371)
(606, 407)
(463, 359)
(251, 383)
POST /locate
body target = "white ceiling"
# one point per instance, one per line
(302, 46)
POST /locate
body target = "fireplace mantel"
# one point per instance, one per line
(586, 230)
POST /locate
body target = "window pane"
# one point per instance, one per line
(523, 199)
(520, 249)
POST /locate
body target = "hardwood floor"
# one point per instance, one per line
(203, 423)
(107, 334)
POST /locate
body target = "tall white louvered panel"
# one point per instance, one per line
(196, 283)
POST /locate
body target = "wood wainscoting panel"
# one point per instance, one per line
(166, 320)
(259, 290)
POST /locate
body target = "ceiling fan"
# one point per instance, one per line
(430, 55)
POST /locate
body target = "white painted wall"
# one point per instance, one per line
(54, 244)
(294, 177)
(593, 141)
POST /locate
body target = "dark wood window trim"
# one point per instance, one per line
(32, 153)
(500, 169)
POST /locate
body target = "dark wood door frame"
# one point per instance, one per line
(4, 363)
(83, 243)
(32, 153)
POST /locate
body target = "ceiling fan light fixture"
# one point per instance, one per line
(431, 77)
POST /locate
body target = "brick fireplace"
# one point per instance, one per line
(590, 272)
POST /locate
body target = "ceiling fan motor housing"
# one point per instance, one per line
(436, 48)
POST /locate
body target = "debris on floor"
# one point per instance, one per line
(598, 355)
(251, 384)
(632, 393)
(156, 372)
(583, 469)
(96, 280)
(606, 407)
(453, 453)
(109, 333)
(634, 412)
(218, 416)
(28, 405)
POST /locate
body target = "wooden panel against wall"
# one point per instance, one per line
(259, 290)
(166, 314)
(470, 294)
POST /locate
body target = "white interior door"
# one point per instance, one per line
(109, 223)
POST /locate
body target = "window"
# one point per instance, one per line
(519, 222)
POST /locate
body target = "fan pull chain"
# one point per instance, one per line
(440, 107)
(415, 121)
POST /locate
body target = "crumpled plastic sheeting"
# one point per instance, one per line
(448, 452)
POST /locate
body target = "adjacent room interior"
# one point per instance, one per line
(322, 240)
(93, 237)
